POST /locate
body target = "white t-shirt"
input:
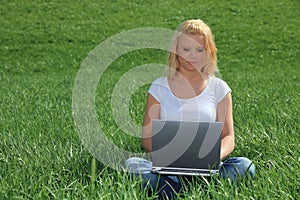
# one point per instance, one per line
(200, 108)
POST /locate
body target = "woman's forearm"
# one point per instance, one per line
(227, 146)
(147, 144)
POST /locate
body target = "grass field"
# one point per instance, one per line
(42, 46)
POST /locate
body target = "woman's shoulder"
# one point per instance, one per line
(157, 87)
(161, 81)
(158, 84)
(217, 84)
(216, 81)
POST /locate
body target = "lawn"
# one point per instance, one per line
(43, 45)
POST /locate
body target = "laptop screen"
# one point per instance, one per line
(183, 144)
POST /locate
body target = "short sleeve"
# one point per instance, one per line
(155, 89)
(222, 90)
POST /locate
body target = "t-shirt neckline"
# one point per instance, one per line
(191, 98)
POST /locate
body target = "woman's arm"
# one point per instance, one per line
(152, 112)
(225, 116)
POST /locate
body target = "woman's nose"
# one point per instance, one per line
(192, 54)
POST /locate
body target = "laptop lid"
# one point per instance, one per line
(185, 144)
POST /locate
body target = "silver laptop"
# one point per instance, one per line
(186, 148)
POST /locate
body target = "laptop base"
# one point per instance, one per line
(184, 171)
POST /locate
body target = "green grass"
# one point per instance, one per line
(42, 45)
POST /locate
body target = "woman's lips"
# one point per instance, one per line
(192, 62)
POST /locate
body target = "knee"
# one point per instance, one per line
(239, 166)
(129, 162)
(137, 165)
(246, 167)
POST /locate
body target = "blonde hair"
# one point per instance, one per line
(194, 27)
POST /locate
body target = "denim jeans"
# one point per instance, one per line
(167, 185)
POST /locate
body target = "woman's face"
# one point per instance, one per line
(191, 52)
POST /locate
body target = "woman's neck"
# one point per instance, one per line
(191, 76)
(187, 85)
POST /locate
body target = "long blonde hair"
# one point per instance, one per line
(194, 27)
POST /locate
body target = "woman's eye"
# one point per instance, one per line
(186, 49)
(200, 50)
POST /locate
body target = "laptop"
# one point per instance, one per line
(186, 147)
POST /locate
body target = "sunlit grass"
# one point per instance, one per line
(42, 45)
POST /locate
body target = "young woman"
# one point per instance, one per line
(189, 91)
